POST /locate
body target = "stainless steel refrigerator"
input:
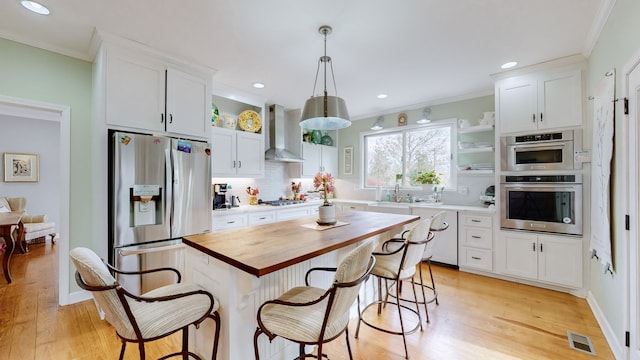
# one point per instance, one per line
(159, 191)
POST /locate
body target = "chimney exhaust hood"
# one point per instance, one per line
(277, 151)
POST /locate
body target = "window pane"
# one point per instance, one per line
(396, 157)
(428, 149)
(383, 159)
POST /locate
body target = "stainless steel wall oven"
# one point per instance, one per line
(547, 203)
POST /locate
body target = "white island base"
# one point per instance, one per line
(240, 295)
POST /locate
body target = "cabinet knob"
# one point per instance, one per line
(476, 258)
(534, 247)
(540, 117)
(161, 118)
(239, 164)
(533, 117)
(475, 220)
(476, 237)
(170, 118)
(234, 164)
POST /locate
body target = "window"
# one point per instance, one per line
(396, 156)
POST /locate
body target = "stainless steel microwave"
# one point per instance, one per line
(542, 151)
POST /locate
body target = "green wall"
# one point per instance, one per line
(618, 41)
(30, 73)
(470, 109)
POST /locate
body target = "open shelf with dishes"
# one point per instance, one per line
(476, 150)
(236, 115)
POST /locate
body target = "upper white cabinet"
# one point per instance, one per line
(317, 158)
(539, 101)
(142, 91)
(237, 153)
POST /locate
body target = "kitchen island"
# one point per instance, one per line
(245, 267)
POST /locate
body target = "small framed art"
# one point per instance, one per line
(348, 161)
(21, 167)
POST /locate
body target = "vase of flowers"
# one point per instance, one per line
(295, 189)
(253, 195)
(327, 212)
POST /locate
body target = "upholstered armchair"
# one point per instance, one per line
(36, 227)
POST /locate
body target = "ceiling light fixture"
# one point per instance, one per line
(35, 7)
(258, 85)
(425, 116)
(382, 96)
(378, 124)
(325, 112)
(509, 64)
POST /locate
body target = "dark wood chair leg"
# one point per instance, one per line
(124, 345)
(216, 317)
(255, 342)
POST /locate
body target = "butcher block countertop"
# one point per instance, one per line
(263, 249)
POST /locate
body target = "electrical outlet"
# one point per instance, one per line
(463, 190)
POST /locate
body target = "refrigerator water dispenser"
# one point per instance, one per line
(146, 205)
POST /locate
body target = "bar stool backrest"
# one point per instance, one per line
(416, 240)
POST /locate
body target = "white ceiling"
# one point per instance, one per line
(417, 51)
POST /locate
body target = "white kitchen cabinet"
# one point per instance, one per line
(540, 101)
(228, 221)
(317, 158)
(347, 206)
(261, 217)
(292, 213)
(552, 259)
(237, 153)
(141, 91)
(445, 246)
(475, 234)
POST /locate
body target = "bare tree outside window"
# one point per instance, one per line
(400, 155)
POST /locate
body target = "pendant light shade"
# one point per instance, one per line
(325, 112)
(314, 116)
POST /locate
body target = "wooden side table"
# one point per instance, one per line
(7, 222)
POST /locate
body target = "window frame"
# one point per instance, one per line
(452, 124)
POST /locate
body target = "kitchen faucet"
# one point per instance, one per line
(396, 193)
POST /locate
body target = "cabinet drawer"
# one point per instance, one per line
(228, 221)
(477, 237)
(478, 259)
(262, 218)
(294, 213)
(477, 220)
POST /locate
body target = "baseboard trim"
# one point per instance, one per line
(614, 344)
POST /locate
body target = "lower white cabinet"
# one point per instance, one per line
(292, 213)
(346, 206)
(548, 258)
(261, 217)
(476, 240)
(228, 221)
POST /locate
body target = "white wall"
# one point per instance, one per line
(21, 135)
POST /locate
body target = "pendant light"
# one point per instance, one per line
(325, 112)
(378, 124)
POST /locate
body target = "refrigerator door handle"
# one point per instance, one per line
(126, 252)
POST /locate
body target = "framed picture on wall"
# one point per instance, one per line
(21, 167)
(348, 161)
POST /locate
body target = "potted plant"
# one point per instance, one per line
(327, 212)
(427, 177)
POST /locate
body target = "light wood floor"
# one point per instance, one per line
(478, 318)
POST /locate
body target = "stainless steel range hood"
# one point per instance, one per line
(277, 151)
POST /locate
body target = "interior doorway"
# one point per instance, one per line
(29, 113)
(632, 310)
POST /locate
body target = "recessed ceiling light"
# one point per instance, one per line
(382, 96)
(35, 7)
(258, 85)
(509, 64)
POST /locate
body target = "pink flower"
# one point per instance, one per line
(326, 181)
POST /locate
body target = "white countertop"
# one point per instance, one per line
(418, 205)
(255, 208)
